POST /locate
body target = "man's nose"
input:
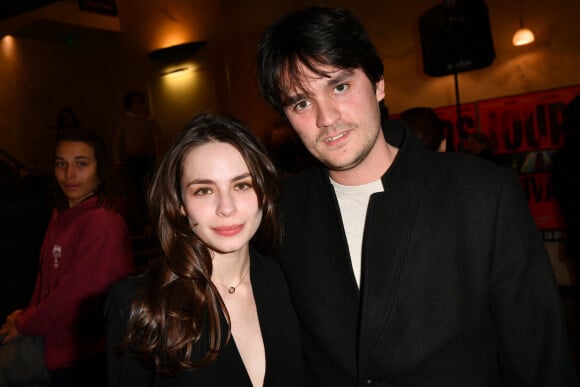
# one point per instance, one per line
(327, 113)
(69, 171)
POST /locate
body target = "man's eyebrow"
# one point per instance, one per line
(340, 77)
(74, 157)
(292, 99)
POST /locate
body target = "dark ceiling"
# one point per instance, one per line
(14, 8)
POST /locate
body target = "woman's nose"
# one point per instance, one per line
(226, 205)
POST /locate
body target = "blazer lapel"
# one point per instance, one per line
(334, 247)
(390, 219)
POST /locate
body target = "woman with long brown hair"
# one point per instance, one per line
(211, 311)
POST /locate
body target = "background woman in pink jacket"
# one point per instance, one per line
(86, 248)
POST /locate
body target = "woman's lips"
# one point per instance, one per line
(228, 230)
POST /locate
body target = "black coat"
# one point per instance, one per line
(456, 286)
(277, 323)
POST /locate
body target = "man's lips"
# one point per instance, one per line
(336, 138)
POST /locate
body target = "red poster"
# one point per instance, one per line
(456, 135)
(525, 132)
(538, 190)
(527, 122)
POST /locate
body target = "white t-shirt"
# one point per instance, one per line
(353, 201)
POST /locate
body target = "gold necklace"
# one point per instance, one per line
(232, 289)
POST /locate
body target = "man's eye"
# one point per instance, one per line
(341, 88)
(301, 105)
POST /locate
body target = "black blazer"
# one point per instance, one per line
(456, 287)
(277, 323)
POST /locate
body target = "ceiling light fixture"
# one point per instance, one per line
(524, 35)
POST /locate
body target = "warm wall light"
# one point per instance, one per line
(7, 45)
(524, 35)
(174, 71)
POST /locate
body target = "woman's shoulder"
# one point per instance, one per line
(264, 263)
(122, 293)
(267, 275)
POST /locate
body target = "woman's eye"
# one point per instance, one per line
(243, 186)
(202, 191)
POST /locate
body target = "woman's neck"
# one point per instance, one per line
(230, 269)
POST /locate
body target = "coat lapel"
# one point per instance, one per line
(334, 247)
(390, 219)
(313, 230)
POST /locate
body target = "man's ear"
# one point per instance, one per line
(380, 89)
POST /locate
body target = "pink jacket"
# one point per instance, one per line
(85, 250)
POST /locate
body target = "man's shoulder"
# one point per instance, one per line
(459, 172)
(101, 220)
(466, 164)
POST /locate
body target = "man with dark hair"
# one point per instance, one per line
(406, 267)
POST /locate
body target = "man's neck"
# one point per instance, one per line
(372, 168)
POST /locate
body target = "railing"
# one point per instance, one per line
(19, 167)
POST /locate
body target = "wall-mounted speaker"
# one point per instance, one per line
(456, 37)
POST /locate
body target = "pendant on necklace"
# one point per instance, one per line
(231, 290)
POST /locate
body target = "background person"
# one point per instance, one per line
(428, 127)
(136, 149)
(566, 178)
(86, 248)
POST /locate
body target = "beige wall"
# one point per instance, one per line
(38, 77)
(552, 61)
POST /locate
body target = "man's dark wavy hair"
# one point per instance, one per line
(312, 37)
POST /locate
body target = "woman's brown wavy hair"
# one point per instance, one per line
(175, 318)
